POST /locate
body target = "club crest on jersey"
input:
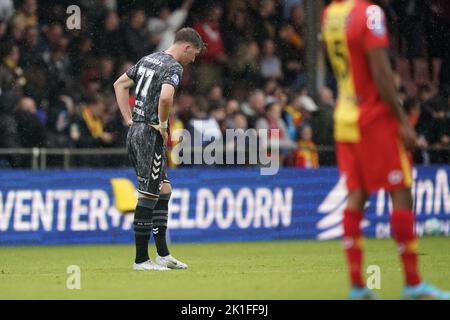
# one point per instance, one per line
(375, 20)
(395, 177)
(175, 79)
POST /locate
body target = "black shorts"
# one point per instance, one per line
(148, 157)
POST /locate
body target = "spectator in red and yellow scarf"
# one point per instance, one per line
(307, 156)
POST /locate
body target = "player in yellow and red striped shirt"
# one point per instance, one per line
(372, 135)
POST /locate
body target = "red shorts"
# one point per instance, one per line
(378, 161)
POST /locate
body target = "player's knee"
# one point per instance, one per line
(146, 197)
(166, 189)
(401, 199)
(148, 203)
(163, 203)
(165, 196)
(356, 200)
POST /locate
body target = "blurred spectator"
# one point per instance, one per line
(6, 9)
(244, 146)
(292, 109)
(245, 69)
(88, 128)
(203, 128)
(323, 131)
(231, 107)
(412, 108)
(9, 135)
(271, 90)
(81, 54)
(28, 13)
(409, 23)
(276, 128)
(425, 93)
(109, 39)
(297, 18)
(114, 126)
(12, 79)
(239, 31)
(291, 46)
(53, 34)
(106, 74)
(264, 20)
(60, 115)
(167, 23)
(137, 38)
(270, 63)
(17, 29)
(30, 131)
(218, 113)
(212, 60)
(255, 107)
(58, 66)
(438, 133)
(203, 125)
(301, 110)
(37, 84)
(306, 156)
(3, 30)
(185, 103)
(215, 97)
(240, 121)
(288, 5)
(90, 80)
(282, 96)
(437, 33)
(31, 48)
(307, 107)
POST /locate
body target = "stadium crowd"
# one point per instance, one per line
(56, 83)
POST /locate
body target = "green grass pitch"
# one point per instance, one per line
(246, 270)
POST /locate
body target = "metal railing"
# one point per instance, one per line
(39, 156)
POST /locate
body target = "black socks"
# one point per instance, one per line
(160, 215)
(142, 227)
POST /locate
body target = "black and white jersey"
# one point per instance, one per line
(149, 74)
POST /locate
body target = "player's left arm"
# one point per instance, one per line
(375, 44)
(121, 88)
(164, 107)
(170, 83)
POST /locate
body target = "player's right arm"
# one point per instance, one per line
(121, 88)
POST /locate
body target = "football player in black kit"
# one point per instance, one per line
(156, 77)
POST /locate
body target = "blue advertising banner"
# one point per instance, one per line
(80, 206)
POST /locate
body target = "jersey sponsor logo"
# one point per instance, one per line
(139, 112)
(395, 177)
(142, 179)
(154, 61)
(175, 79)
(375, 20)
